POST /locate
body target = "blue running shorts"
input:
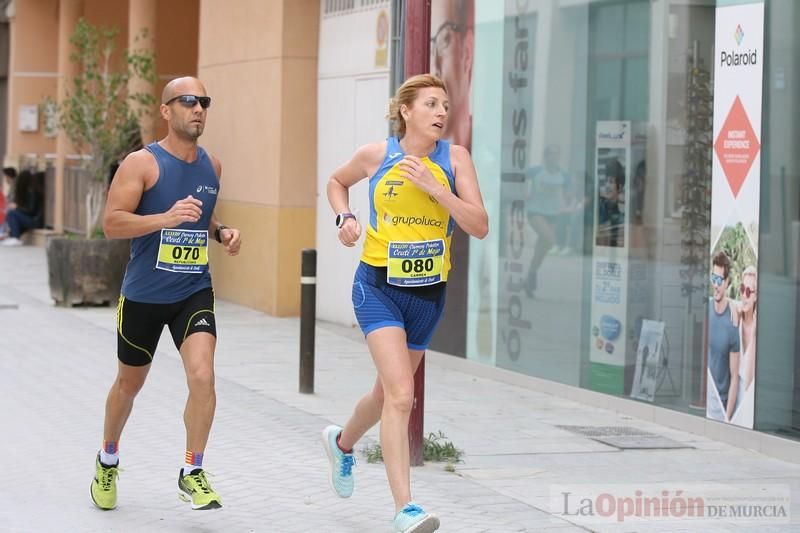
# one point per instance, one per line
(378, 305)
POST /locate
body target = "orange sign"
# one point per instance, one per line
(736, 146)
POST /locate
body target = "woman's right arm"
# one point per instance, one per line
(365, 162)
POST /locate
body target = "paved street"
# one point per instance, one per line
(56, 366)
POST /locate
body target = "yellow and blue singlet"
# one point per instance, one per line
(408, 231)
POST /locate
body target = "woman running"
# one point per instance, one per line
(420, 187)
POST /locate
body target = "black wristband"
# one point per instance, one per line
(217, 236)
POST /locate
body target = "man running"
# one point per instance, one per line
(162, 198)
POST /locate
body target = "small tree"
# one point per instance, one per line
(98, 113)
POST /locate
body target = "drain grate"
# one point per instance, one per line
(626, 437)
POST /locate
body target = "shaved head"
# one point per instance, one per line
(186, 119)
(179, 86)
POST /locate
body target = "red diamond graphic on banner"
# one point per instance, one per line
(736, 146)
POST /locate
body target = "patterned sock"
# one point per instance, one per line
(192, 461)
(109, 454)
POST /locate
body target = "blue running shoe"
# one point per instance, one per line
(412, 518)
(340, 464)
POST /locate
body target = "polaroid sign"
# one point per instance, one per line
(735, 192)
(735, 58)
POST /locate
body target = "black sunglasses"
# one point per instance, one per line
(190, 100)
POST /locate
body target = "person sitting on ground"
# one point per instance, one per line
(7, 199)
(10, 174)
(26, 212)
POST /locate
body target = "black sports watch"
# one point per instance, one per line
(217, 236)
(341, 217)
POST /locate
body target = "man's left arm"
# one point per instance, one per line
(228, 237)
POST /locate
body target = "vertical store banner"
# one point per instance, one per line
(735, 191)
(610, 257)
(519, 35)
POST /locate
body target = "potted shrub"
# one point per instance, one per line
(100, 116)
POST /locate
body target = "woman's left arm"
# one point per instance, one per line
(466, 208)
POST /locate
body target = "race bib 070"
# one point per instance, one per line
(183, 250)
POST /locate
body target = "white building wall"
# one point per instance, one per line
(353, 95)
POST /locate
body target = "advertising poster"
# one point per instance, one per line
(452, 50)
(736, 177)
(452, 54)
(648, 361)
(610, 257)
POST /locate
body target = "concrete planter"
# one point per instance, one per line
(86, 271)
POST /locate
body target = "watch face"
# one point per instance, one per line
(341, 217)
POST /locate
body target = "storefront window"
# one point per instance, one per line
(593, 136)
(778, 363)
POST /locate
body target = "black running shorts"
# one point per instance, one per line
(139, 325)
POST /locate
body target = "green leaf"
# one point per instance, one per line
(98, 114)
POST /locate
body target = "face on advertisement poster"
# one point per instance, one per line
(610, 197)
(452, 51)
(732, 328)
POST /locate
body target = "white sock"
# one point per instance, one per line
(109, 459)
(187, 469)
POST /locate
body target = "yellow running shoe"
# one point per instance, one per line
(104, 485)
(197, 487)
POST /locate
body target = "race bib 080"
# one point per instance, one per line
(413, 264)
(183, 250)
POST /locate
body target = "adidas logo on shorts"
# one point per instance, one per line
(202, 322)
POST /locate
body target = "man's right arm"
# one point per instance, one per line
(120, 220)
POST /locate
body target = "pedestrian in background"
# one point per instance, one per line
(26, 211)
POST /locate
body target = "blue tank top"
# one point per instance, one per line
(177, 179)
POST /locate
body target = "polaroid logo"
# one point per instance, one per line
(738, 34)
(733, 59)
(729, 58)
(416, 221)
